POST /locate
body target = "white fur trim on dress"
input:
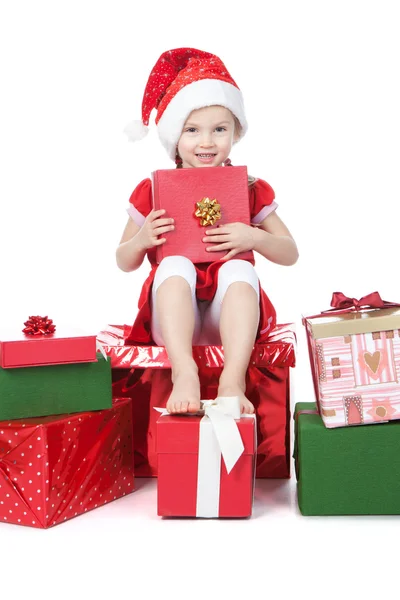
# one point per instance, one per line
(206, 92)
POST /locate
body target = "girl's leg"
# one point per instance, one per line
(175, 321)
(235, 312)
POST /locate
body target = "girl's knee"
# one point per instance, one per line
(176, 261)
(237, 270)
(171, 266)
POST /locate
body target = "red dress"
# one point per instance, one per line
(262, 203)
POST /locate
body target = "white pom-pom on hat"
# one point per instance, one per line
(136, 131)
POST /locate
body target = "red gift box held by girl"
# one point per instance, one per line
(197, 199)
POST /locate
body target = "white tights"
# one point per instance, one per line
(207, 313)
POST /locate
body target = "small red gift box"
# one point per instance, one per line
(193, 479)
(179, 190)
(56, 468)
(18, 349)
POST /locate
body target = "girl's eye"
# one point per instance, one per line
(190, 129)
(219, 129)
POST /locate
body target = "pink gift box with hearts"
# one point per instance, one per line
(355, 360)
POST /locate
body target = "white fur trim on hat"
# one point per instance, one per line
(206, 92)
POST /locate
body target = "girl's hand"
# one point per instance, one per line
(236, 237)
(153, 227)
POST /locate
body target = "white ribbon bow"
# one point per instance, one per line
(222, 413)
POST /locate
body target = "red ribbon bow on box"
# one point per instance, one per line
(343, 304)
(39, 326)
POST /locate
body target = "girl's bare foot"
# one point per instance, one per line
(235, 388)
(185, 395)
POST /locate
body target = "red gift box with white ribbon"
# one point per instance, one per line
(206, 464)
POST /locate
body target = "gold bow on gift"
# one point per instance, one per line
(208, 211)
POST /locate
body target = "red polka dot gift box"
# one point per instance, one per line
(55, 468)
(355, 360)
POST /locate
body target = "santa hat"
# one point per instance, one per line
(183, 80)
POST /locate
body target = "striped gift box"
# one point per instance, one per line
(355, 359)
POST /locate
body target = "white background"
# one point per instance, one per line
(320, 81)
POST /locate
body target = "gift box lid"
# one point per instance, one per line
(277, 351)
(65, 345)
(354, 322)
(180, 434)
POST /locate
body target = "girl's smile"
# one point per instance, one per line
(206, 158)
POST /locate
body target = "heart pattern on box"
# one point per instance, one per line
(372, 360)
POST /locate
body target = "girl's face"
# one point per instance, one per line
(207, 137)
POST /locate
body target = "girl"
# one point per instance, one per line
(200, 115)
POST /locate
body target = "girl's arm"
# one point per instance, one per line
(130, 252)
(274, 241)
(137, 240)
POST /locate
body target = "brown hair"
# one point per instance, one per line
(238, 131)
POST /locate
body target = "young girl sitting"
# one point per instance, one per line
(200, 115)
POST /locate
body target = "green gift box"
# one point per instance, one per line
(54, 390)
(346, 471)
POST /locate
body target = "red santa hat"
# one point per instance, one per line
(183, 80)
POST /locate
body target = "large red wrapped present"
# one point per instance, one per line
(56, 468)
(143, 373)
(19, 349)
(206, 463)
(197, 199)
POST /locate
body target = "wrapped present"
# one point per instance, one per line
(40, 345)
(55, 389)
(355, 360)
(206, 463)
(346, 471)
(57, 468)
(143, 373)
(197, 199)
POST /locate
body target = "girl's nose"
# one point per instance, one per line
(206, 140)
